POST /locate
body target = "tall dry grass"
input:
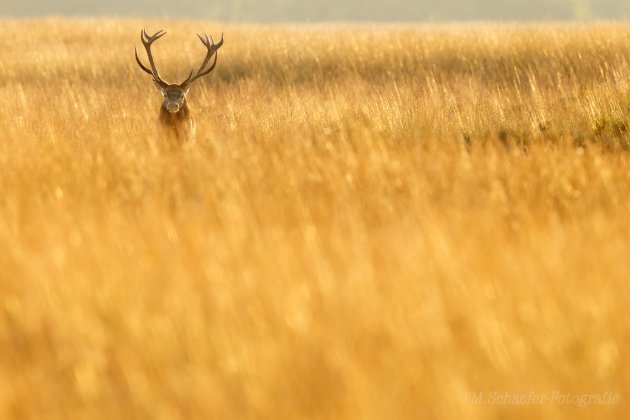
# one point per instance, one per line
(374, 222)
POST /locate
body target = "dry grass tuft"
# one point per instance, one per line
(374, 221)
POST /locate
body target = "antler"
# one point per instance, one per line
(212, 50)
(147, 41)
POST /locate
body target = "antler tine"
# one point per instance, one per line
(188, 78)
(150, 38)
(214, 64)
(206, 43)
(212, 51)
(147, 41)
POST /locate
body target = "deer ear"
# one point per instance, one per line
(185, 87)
(159, 86)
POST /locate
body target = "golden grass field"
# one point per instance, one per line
(374, 222)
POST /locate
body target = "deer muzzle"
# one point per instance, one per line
(172, 107)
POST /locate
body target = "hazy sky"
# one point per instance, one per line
(325, 10)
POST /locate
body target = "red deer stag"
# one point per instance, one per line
(175, 119)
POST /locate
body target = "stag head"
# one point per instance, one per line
(175, 93)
